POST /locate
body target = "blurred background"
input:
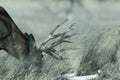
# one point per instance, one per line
(41, 16)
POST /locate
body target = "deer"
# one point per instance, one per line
(22, 46)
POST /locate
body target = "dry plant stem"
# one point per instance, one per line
(61, 38)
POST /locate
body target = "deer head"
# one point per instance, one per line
(22, 46)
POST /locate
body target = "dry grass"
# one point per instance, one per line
(102, 53)
(98, 50)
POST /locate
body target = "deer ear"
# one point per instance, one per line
(4, 29)
(5, 24)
